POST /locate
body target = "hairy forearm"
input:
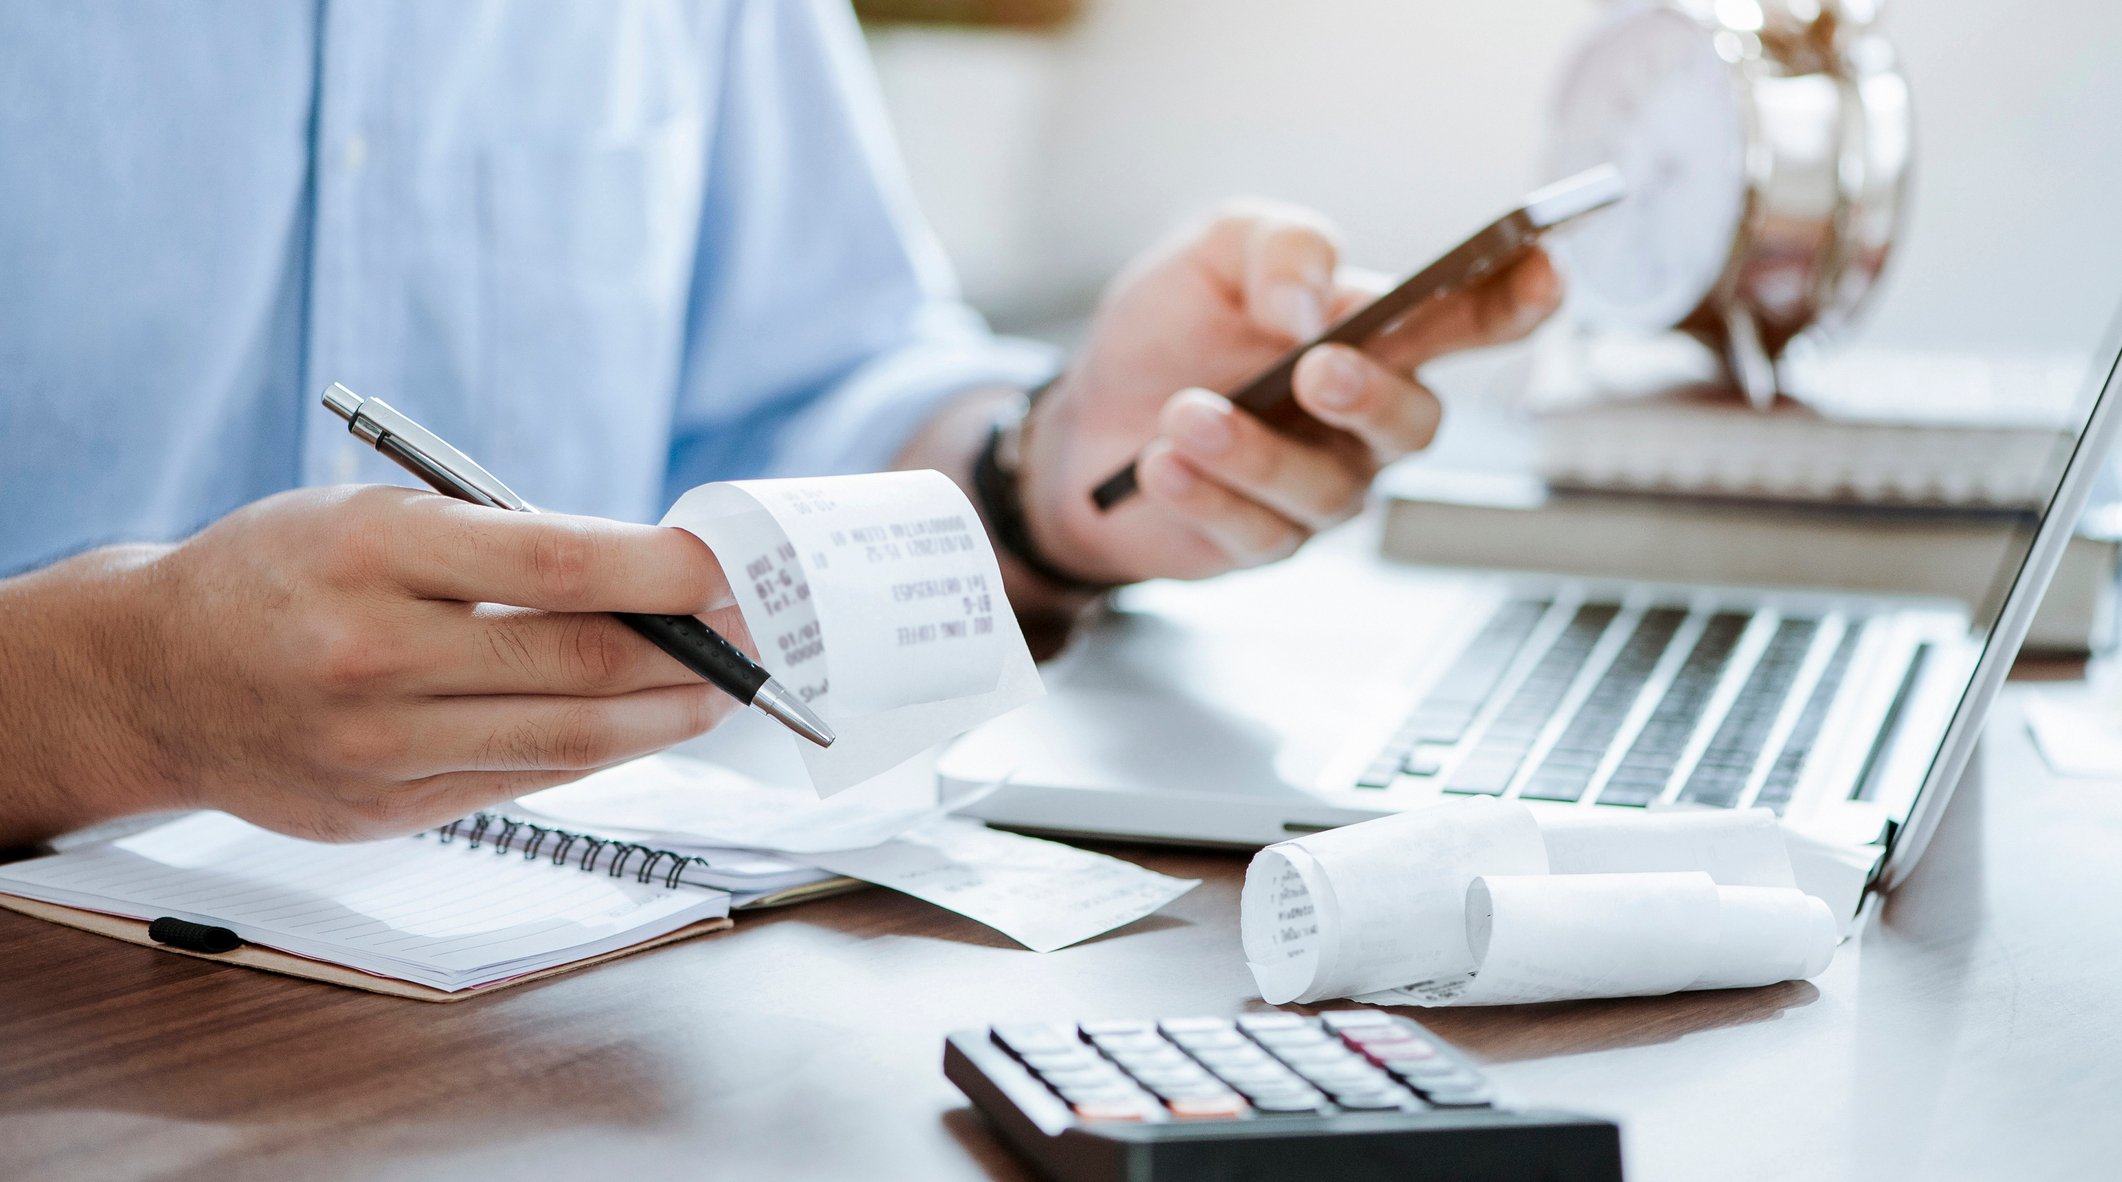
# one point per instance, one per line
(62, 738)
(949, 442)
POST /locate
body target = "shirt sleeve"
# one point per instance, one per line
(824, 323)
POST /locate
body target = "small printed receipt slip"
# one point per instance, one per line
(1042, 894)
(875, 598)
(1484, 902)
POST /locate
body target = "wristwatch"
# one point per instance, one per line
(998, 487)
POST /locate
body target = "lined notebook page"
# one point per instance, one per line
(412, 908)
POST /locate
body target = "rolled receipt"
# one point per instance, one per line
(1563, 937)
(1482, 901)
(877, 600)
(1374, 905)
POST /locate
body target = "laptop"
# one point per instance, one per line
(1181, 717)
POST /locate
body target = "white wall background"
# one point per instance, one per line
(1046, 162)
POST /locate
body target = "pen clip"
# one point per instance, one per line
(425, 453)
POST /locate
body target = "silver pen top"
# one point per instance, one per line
(428, 455)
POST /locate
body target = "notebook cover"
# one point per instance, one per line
(134, 931)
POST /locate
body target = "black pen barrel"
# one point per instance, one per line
(702, 650)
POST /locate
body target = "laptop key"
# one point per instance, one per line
(1720, 776)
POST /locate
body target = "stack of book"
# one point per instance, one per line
(1888, 472)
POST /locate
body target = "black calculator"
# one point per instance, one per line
(1347, 1095)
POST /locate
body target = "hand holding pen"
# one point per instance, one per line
(359, 662)
(688, 641)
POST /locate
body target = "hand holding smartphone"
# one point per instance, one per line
(1269, 396)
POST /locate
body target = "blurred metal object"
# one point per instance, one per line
(1806, 99)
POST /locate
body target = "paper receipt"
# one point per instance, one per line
(877, 599)
(1484, 902)
(1042, 894)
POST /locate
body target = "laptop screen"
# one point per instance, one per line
(2067, 523)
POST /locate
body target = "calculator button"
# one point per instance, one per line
(1375, 1099)
(1316, 1056)
(1349, 1019)
(1092, 1030)
(1253, 1072)
(1476, 1097)
(1456, 1081)
(1400, 1052)
(1034, 1037)
(1286, 1105)
(1082, 1077)
(1100, 1093)
(1343, 1074)
(1206, 1040)
(1233, 1058)
(1228, 1106)
(1062, 1060)
(1150, 1060)
(1131, 1041)
(1162, 1077)
(1276, 1020)
(1303, 1036)
(1199, 1090)
(1113, 1110)
(1174, 1027)
(1269, 1086)
(1384, 1036)
(1415, 1071)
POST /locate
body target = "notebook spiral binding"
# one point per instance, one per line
(508, 835)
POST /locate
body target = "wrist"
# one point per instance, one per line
(72, 751)
(1002, 483)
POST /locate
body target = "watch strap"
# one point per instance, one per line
(998, 489)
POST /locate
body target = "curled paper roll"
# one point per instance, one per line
(1568, 936)
(1374, 905)
(877, 600)
(1479, 902)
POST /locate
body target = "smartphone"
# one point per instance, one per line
(1504, 241)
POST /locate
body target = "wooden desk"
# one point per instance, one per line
(1971, 1032)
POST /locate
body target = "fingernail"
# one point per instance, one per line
(1340, 381)
(1204, 426)
(1297, 311)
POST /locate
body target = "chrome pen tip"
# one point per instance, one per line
(343, 402)
(774, 701)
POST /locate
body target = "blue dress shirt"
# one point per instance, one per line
(611, 248)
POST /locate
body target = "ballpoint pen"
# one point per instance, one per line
(692, 643)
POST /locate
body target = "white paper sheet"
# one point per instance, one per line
(877, 599)
(1483, 902)
(1042, 894)
(676, 802)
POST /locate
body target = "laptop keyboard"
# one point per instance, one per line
(1639, 725)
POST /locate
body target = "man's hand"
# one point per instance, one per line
(333, 664)
(1219, 489)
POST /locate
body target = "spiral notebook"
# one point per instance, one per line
(435, 916)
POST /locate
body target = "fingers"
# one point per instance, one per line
(1280, 263)
(1392, 414)
(1504, 308)
(505, 650)
(1313, 486)
(445, 549)
(1240, 531)
(524, 732)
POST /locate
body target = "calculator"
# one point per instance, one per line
(1347, 1095)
